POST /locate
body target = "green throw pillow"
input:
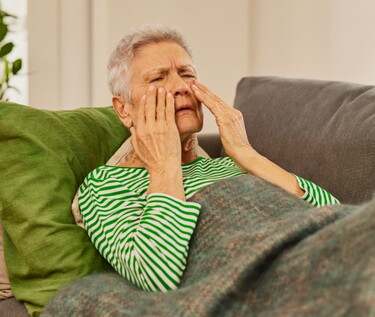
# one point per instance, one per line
(44, 157)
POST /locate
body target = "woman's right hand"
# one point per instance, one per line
(155, 136)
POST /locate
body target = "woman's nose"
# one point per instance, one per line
(178, 86)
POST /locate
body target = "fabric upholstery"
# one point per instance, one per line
(44, 157)
(256, 251)
(211, 143)
(323, 131)
(11, 307)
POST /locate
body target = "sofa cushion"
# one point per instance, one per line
(44, 157)
(323, 131)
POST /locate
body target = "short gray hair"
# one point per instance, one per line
(118, 66)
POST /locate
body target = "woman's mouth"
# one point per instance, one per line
(184, 109)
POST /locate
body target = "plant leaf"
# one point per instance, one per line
(6, 14)
(16, 66)
(3, 31)
(6, 71)
(6, 49)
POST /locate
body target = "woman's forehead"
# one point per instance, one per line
(160, 55)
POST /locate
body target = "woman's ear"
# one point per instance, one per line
(121, 107)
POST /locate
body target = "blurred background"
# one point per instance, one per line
(65, 44)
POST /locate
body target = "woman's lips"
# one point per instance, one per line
(184, 111)
(184, 108)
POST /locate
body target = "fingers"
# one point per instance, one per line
(155, 107)
(141, 116)
(209, 99)
(161, 105)
(150, 106)
(169, 110)
(155, 138)
(205, 90)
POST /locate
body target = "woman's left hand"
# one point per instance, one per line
(229, 120)
(236, 145)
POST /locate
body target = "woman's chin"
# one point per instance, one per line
(189, 123)
(188, 127)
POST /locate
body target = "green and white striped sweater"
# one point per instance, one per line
(146, 238)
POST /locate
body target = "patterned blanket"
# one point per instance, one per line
(256, 251)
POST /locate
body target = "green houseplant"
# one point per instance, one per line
(8, 68)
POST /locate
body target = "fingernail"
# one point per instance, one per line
(151, 88)
(169, 94)
(160, 90)
(194, 86)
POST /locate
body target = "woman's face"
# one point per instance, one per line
(166, 64)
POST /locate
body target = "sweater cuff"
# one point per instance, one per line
(302, 186)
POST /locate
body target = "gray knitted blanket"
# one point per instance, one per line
(256, 251)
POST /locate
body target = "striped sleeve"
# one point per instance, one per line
(145, 239)
(314, 194)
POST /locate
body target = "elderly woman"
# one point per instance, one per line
(136, 214)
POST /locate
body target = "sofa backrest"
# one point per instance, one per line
(323, 131)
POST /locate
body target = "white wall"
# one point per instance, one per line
(322, 39)
(75, 54)
(59, 54)
(44, 57)
(70, 42)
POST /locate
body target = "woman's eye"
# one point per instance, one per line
(156, 79)
(188, 75)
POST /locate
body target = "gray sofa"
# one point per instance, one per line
(323, 131)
